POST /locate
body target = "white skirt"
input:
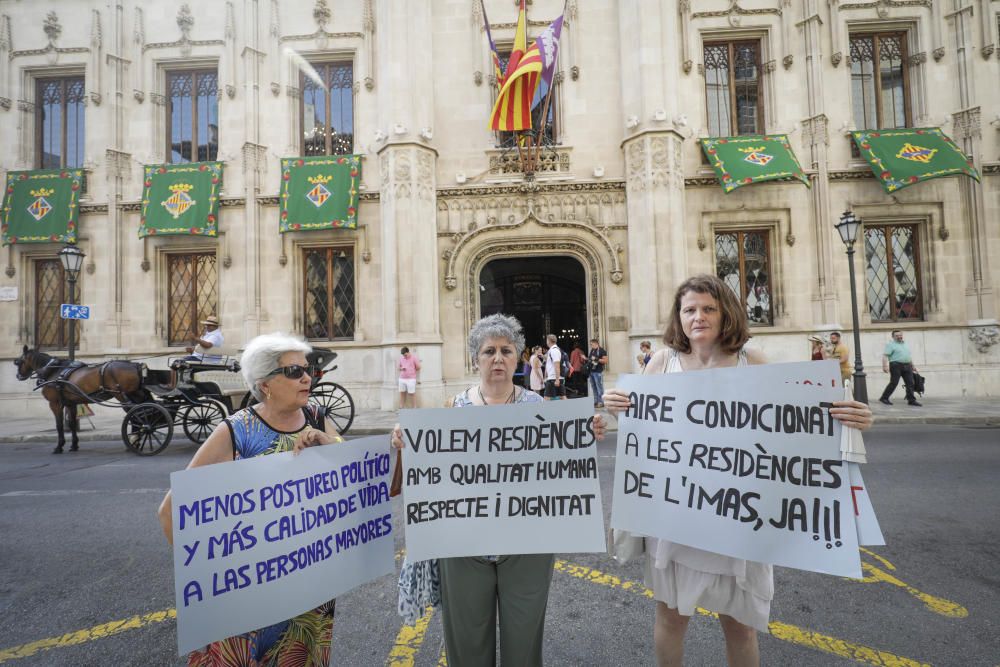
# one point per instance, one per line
(684, 588)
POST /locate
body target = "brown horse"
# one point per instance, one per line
(65, 385)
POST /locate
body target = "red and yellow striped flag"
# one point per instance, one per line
(512, 110)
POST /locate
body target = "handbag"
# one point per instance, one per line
(625, 546)
(918, 383)
(396, 485)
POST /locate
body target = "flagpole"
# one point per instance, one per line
(545, 104)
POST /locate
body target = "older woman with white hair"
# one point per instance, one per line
(275, 368)
(475, 591)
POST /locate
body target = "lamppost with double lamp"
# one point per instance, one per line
(72, 260)
(848, 228)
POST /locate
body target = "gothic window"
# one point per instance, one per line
(892, 273)
(193, 295)
(51, 331)
(880, 93)
(734, 88)
(192, 116)
(329, 293)
(59, 123)
(743, 261)
(327, 109)
(506, 139)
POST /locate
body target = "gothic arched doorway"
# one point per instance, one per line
(547, 294)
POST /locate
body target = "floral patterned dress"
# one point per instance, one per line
(303, 641)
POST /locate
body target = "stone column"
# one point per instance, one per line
(118, 167)
(408, 201)
(654, 183)
(816, 137)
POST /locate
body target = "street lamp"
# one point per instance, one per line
(72, 260)
(848, 228)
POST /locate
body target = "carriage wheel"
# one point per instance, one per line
(336, 403)
(147, 429)
(200, 420)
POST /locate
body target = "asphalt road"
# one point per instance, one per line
(86, 576)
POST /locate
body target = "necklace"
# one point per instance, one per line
(510, 399)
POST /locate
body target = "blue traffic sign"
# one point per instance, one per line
(71, 311)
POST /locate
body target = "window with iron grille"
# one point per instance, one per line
(734, 88)
(59, 123)
(51, 331)
(193, 295)
(892, 273)
(743, 261)
(879, 81)
(192, 116)
(329, 293)
(506, 139)
(327, 109)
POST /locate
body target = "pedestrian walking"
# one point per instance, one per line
(409, 366)
(597, 360)
(897, 361)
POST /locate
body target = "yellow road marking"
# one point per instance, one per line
(783, 631)
(408, 642)
(90, 634)
(937, 605)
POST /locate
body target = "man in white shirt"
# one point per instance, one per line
(210, 340)
(555, 388)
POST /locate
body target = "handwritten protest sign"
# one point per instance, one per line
(743, 462)
(504, 479)
(263, 540)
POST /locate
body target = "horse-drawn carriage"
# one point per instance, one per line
(192, 395)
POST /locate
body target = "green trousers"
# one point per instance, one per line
(474, 591)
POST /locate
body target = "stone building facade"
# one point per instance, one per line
(622, 208)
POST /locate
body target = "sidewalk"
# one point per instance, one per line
(955, 411)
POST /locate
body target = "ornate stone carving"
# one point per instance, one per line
(230, 91)
(321, 14)
(836, 58)
(987, 51)
(96, 34)
(574, 72)
(157, 99)
(686, 66)
(943, 233)
(966, 123)
(52, 27)
(815, 130)
(735, 13)
(119, 164)
(26, 106)
(185, 20)
(369, 83)
(144, 265)
(292, 91)
(10, 271)
(659, 168)
(552, 161)
(425, 175)
(770, 66)
(477, 77)
(5, 103)
(635, 159)
(984, 337)
(787, 61)
(275, 88)
(918, 58)
(938, 53)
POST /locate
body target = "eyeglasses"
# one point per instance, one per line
(293, 372)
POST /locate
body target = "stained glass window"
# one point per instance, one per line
(329, 293)
(60, 123)
(327, 109)
(193, 116)
(742, 261)
(733, 88)
(51, 331)
(193, 295)
(892, 273)
(879, 81)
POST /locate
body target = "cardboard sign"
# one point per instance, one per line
(263, 540)
(502, 479)
(738, 461)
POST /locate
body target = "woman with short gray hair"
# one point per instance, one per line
(275, 368)
(476, 591)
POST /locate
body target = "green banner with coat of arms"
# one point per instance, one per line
(41, 206)
(319, 193)
(181, 199)
(906, 156)
(743, 160)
